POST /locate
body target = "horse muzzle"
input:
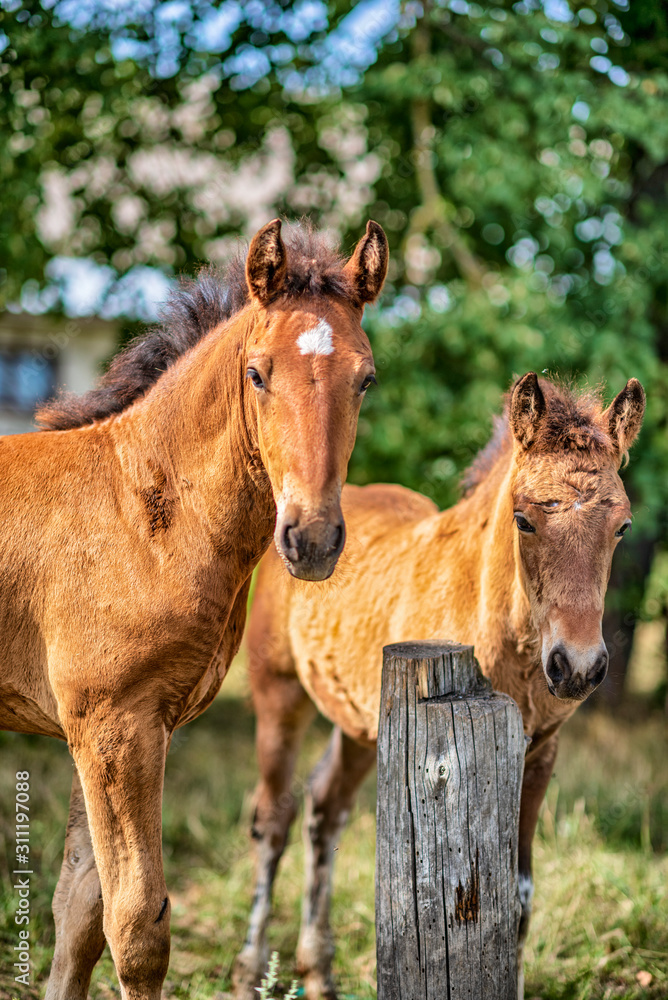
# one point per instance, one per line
(310, 546)
(572, 674)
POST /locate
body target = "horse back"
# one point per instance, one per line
(373, 510)
(370, 512)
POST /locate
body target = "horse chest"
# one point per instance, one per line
(524, 680)
(216, 667)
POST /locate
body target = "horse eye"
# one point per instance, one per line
(623, 529)
(523, 524)
(255, 378)
(367, 382)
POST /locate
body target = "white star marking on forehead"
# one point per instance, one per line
(317, 340)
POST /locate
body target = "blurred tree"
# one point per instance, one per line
(107, 160)
(527, 192)
(517, 155)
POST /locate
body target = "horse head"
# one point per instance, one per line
(308, 364)
(571, 510)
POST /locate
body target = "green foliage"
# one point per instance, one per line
(532, 218)
(270, 981)
(104, 159)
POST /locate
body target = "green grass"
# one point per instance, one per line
(601, 906)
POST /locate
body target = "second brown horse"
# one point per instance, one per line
(518, 568)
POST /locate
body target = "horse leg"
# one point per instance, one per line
(121, 761)
(331, 791)
(283, 711)
(537, 773)
(77, 909)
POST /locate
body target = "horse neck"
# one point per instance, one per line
(196, 431)
(503, 610)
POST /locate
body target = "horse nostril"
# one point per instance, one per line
(337, 543)
(558, 667)
(291, 540)
(599, 669)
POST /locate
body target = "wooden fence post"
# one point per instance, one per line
(450, 765)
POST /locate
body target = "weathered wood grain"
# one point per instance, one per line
(450, 765)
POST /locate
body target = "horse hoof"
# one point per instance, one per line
(318, 986)
(245, 981)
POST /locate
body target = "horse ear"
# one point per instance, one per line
(367, 267)
(624, 415)
(266, 264)
(527, 408)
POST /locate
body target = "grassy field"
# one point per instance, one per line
(601, 908)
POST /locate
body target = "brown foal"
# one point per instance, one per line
(518, 568)
(129, 534)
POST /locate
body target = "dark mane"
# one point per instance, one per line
(572, 423)
(194, 309)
